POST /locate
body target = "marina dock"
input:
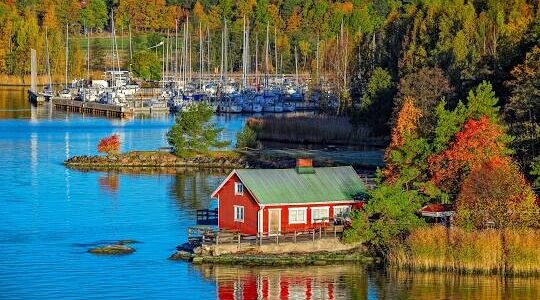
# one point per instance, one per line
(101, 109)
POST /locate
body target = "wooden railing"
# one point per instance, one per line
(209, 235)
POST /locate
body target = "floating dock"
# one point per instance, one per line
(88, 107)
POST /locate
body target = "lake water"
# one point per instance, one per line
(51, 215)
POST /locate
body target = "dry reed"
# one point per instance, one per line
(490, 251)
(310, 129)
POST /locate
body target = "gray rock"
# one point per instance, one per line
(113, 249)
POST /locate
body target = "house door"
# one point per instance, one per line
(274, 221)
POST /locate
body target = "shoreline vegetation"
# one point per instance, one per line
(510, 252)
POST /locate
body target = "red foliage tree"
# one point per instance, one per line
(478, 142)
(109, 145)
(497, 193)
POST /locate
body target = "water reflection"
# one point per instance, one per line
(360, 282)
(191, 188)
(312, 282)
(417, 285)
(109, 182)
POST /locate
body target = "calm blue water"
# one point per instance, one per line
(51, 215)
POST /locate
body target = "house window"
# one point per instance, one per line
(297, 215)
(238, 188)
(238, 213)
(320, 214)
(341, 211)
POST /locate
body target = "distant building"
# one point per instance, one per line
(276, 201)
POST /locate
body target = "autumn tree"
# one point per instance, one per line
(496, 193)
(473, 146)
(426, 87)
(109, 145)
(404, 132)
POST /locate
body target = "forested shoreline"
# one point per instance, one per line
(450, 62)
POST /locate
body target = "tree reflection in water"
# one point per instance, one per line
(109, 182)
(191, 188)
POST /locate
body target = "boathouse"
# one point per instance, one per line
(276, 201)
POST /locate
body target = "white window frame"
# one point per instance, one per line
(339, 207)
(304, 209)
(327, 208)
(236, 209)
(236, 192)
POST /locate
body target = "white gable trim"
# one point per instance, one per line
(214, 194)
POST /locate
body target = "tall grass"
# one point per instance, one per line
(488, 251)
(309, 129)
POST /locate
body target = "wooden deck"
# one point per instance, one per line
(211, 236)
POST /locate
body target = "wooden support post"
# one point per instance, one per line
(295, 236)
(239, 239)
(217, 239)
(313, 235)
(335, 231)
(320, 233)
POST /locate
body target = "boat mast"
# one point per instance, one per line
(244, 49)
(48, 60)
(130, 46)
(176, 49)
(266, 49)
(208, 50)
(88, 55)
(189, 49)
(201, 51)
(67, 53)
(317, 60)
(226, 63)
(257, 62)
(275, 52)
(296, 63)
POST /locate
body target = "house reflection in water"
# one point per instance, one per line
(315, 282)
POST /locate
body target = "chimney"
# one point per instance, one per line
(304, 162)
(304, 166)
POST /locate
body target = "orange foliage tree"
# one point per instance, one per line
(496, 193)
(474, 145)
(109, 145)
(405, 127)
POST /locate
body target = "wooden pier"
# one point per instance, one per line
(88, 107)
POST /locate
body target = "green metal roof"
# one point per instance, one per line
(287, 186)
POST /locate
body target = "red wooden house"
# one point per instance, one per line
(275, 201)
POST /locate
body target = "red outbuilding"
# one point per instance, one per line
(276, 201)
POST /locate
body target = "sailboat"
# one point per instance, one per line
(48, 90)
(66, 93)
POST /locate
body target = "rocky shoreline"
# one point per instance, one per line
(156, 159)
(224, 160)
(320, 252)
(285, 259)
